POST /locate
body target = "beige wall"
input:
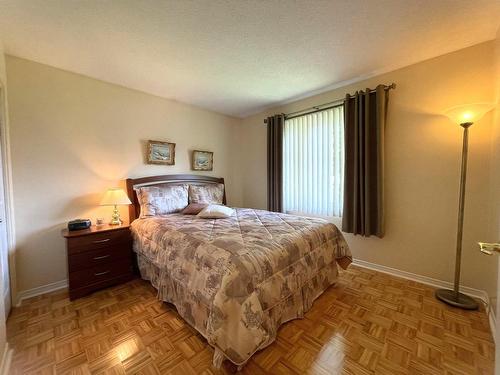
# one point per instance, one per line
(72, 137)
(3, 84)
(495, 192)
(495, 149)
(423, 166)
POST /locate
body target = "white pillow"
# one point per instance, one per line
(216, 211)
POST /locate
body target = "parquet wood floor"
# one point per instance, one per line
(369, 323)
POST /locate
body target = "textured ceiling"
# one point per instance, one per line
(238, 57)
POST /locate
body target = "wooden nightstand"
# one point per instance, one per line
(98, 257)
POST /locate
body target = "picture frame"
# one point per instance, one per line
(161, 153)
(202, 160)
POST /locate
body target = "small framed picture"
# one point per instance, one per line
(203, 160)
(161, 153)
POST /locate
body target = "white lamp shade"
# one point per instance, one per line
(468, 112)
(115, 196)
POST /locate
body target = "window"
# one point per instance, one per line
(313, 163)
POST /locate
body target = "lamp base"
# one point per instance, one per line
(463, 301)
(115, 218)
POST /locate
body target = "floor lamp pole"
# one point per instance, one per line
(454, 297)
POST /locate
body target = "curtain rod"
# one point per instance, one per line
(322, 107)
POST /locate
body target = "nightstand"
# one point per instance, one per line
(98, 257)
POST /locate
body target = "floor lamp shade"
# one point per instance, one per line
(115, 197)
(468, 113)
(465, 116)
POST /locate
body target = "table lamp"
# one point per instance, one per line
(465, 116)
(115, 197)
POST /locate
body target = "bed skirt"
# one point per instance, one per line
(290, 307)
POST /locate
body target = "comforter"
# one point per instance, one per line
(236, 280)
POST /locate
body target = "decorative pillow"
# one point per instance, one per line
(209, 193)
(162, 200)
(216, 211)
(194, 208)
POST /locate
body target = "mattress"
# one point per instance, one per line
(236, 280)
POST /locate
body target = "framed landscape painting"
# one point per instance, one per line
(203, 160)
(161, 153)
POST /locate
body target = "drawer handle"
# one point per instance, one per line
(102, 257)
(101, 241)
(101, 273)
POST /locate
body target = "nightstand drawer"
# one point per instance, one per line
(98, 241)
(89, 259)
(100, 273)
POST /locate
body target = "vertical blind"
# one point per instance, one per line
(313, 163)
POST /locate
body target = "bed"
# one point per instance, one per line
(237, 279)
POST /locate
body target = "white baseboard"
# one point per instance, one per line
(6, 298)
(493, 324)
(477, 293)
(25, 294)
(5, 361)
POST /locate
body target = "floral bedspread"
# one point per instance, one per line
(237, 280)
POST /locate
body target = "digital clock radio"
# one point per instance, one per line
(79, 224)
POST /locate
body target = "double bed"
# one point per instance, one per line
(236, 279)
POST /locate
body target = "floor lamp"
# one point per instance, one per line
(465, 116)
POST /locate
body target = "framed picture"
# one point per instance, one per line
(161, 153)
(203, 160)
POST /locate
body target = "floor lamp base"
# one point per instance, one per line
(463, 301)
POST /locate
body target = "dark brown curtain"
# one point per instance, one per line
(365, 117)
(275, 162)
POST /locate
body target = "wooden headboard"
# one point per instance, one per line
(135, 209)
